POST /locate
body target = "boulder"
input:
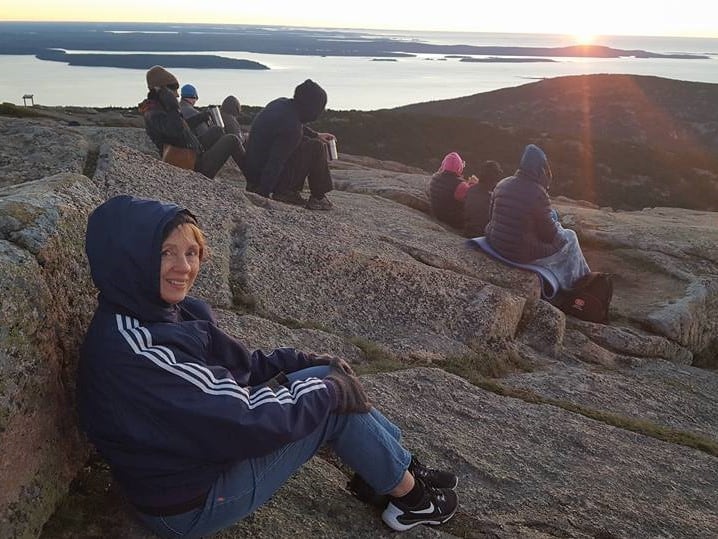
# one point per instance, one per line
(665, 268)
(368, 269)
(46, 302)
(33, 149)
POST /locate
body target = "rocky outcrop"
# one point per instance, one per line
(525, 471)
(45, 305)
(592, 430)
(666, 260)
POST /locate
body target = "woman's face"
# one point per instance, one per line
(180, 264)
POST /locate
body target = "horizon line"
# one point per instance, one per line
(345, 28)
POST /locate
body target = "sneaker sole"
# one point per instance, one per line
(390, 514)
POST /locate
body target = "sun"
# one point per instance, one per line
(584, 38)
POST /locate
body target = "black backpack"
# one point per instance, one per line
(588, 299)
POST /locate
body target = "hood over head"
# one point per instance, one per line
(310, 100)
(534, 166)
(123, 245)
(490, 172)
(231, 106)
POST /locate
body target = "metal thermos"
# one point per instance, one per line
(332, 150)
(216, 116)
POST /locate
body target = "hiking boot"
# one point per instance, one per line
(437, 505)
(362, 490)
(433, 478)
(322, 203)
(290, 197)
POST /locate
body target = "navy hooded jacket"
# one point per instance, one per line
(520, 225)
(277, 132)
(163, 393)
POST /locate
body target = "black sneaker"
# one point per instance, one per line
(362, 490)
(433, 478)
(290, 197)
(319, 203)
(436, 507)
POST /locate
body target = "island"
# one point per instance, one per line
(144, 61)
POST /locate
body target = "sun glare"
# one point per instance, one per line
(584, 38)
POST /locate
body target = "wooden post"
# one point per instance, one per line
(26, 97)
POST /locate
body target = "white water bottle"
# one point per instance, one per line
(332, 150)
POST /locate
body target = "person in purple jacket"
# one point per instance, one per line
(198, 431)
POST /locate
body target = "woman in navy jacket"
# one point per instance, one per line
(197, 430)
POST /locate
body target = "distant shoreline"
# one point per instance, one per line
(134, 42)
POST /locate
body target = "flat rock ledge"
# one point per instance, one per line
(556, 427)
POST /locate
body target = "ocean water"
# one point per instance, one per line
(355, 82)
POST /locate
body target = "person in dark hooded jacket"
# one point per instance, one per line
(477, 204)
(230, 110)
(197, 430)
(523, 227)
(165, 124)
(282, 151)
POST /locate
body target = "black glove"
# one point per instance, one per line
(351, 397)
(336, 363)
(167, 99)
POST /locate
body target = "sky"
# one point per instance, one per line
(577, 18)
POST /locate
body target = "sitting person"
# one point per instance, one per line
(282, 151)
(196, 119)
(478, 199)
(523, 227)
(230, 110)
(166, 126)
(198, 431)
(447, 190)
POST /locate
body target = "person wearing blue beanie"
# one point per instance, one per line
(200, 125)
(189, 91)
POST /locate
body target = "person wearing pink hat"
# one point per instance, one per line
(447, 191)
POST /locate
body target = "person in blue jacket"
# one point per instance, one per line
(197, 430)
(523, 226)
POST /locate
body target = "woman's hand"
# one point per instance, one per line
(326, 137)
(349, 394)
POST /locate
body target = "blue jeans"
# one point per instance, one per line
(367, 443)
